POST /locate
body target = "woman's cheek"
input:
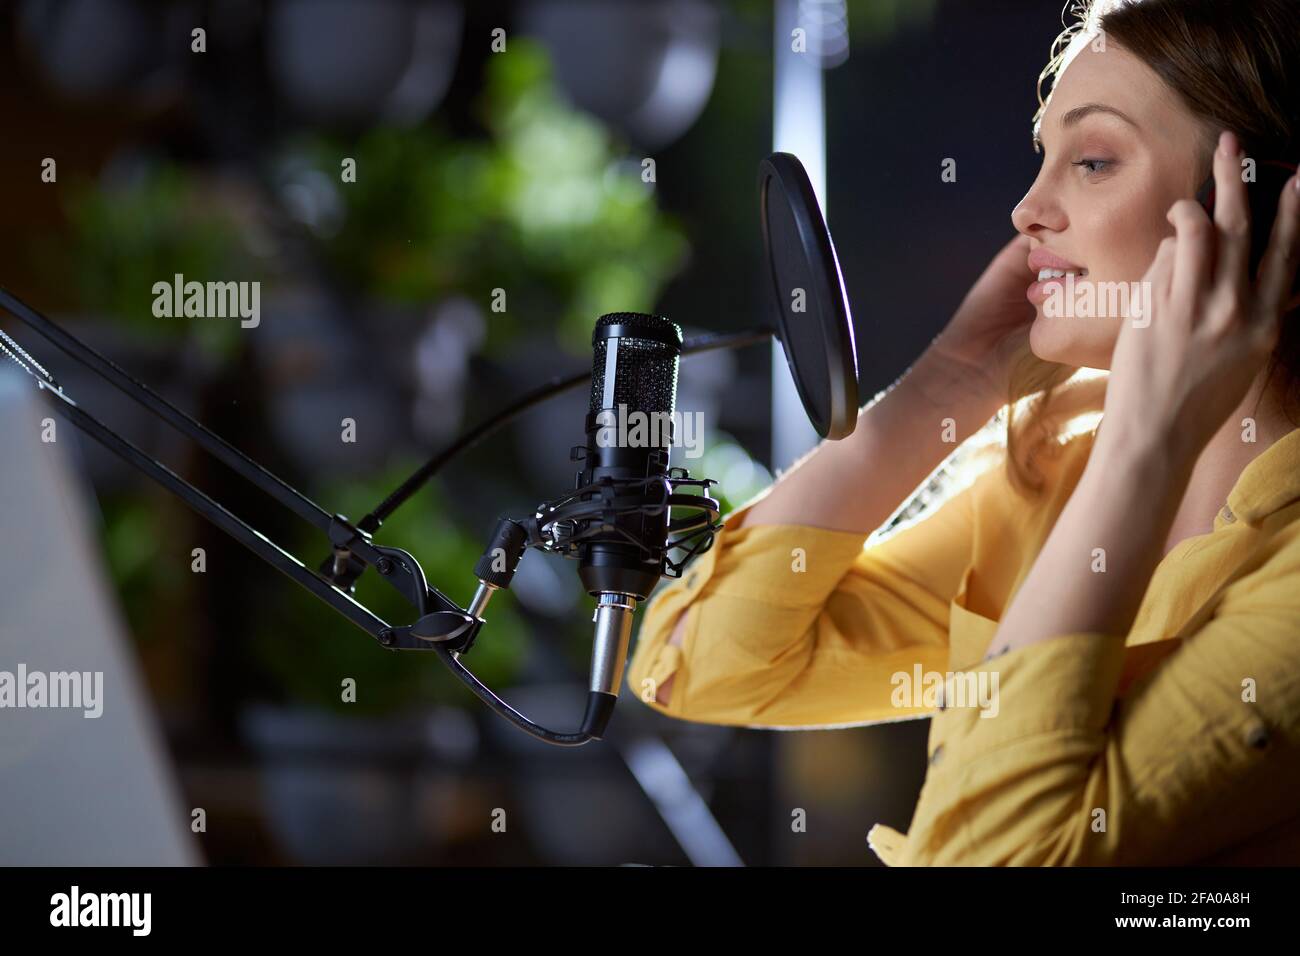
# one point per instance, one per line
(1131, 233)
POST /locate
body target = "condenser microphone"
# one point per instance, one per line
(625, 516)
(630, 431)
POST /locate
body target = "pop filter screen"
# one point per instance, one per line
(812, 311)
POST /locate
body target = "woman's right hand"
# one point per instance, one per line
(992, 321)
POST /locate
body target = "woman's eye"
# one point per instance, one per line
(1093, 166)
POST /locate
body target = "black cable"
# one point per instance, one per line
(502, 709)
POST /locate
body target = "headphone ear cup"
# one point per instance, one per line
(1263, 192)
(1274, 175)
(1205, 195)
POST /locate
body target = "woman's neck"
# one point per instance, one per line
(1245, 435)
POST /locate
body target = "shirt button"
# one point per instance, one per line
(934, 757)
(1256, 736)
(1227, 515)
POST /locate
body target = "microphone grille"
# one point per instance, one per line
(635, 359)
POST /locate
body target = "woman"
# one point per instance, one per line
(1121, 603)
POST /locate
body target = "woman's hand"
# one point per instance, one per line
(992, 321)
(1206, 333)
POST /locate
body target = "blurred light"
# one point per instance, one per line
(436, 45)
(89, 49)
(645, 68)
(739, 476)
(680, 805)
(798, 127)
(311, 198)
(442, 355)
(558, 202)
(827, 24)
(340, 61)
(621, 171)
(452, 734)
(547, 587)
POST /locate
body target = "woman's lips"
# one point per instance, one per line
(1043, 259)
(1039, 291)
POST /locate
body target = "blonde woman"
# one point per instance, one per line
(1122, 601)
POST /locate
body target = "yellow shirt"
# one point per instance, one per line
(1176, 743)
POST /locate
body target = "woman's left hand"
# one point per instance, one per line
(1206, 332)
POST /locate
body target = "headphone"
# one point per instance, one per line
(1262, 195)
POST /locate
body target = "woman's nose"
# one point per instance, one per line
(1036, 213)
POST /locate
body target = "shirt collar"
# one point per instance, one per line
(1271, 481)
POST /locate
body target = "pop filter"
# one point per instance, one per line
(813, 321)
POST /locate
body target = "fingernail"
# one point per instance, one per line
(1230, 145)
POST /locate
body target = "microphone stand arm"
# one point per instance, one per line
(397, 566)
(442, 626)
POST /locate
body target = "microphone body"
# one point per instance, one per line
(629, 440)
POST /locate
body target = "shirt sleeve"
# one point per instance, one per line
(798, 627)
(1196, 757)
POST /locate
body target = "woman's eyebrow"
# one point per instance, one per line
(1079, 112)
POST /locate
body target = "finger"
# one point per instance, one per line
(1277, 270)
(1231, 216)
(1193, 256)
(1161, 272)
(1015, 252)
(1155, 287)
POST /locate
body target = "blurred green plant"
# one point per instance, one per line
(135, 526)
(739, 476)
(546, 209)
(125, 237)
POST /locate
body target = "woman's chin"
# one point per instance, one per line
(1045, 341)
(1052, 341)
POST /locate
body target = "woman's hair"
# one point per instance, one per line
(1234, 65)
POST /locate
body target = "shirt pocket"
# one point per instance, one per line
(969, 633)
